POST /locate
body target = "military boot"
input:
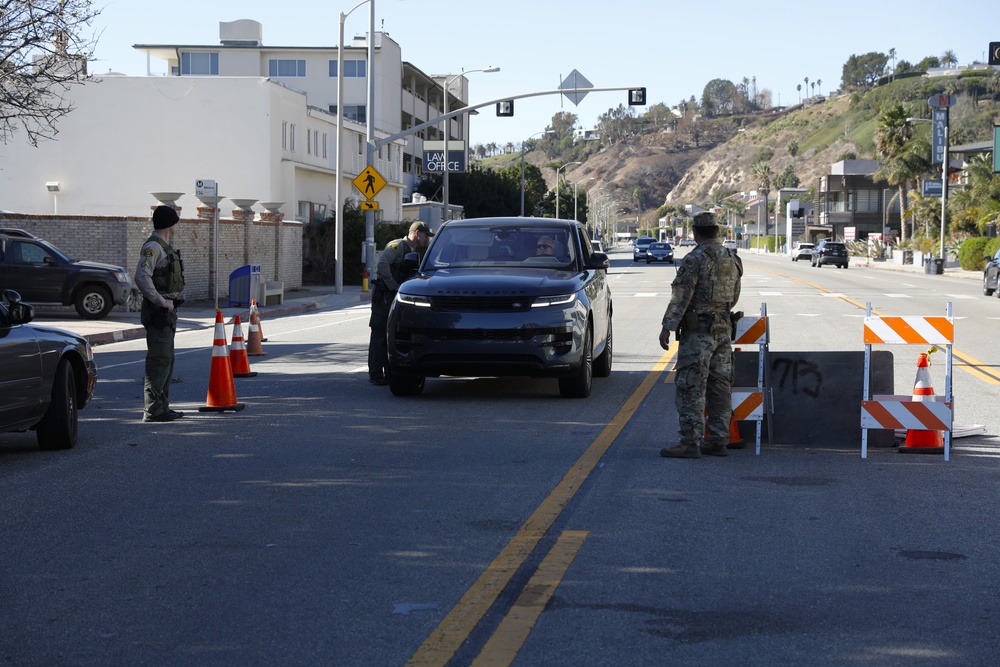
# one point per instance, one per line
(715, 450)
(681, 452)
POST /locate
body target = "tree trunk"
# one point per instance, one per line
(902, 212)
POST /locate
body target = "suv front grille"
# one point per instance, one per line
(496, 304)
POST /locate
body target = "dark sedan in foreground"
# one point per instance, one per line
(46, 376)
(501, 297)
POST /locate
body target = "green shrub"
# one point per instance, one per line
(970, 256)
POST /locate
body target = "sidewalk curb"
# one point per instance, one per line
(194, 324)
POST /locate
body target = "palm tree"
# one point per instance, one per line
(949, 59)
(899, 161)
(892, 72)
(762, 175)
(819, 82)
(813, 86)
(799, 88)
(807, 85)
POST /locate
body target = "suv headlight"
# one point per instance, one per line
(123, 277)
(558, 300)
(413, 300)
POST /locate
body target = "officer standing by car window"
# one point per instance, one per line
(160, 278)
(390, 275)
(705, 289)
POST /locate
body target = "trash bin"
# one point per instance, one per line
(933, 266)
(907, 257)
(244, 285)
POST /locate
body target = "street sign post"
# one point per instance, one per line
(206, 187)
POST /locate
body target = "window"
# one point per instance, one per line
(326, 140)
(352, 68)
(200, 64)
(284, 136)
(315, 143)
(291, 138)
(355, 112)
(283, 67)
(309, 141)
(867, 201)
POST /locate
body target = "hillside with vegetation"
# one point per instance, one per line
(698, 152)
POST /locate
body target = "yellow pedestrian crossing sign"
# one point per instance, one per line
(369, 182)
(369, 205)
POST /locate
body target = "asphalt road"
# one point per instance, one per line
(331, 523)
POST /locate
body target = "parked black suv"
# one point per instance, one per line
(42, 274)
(830, 252)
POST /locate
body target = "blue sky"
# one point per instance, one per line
(672, 48)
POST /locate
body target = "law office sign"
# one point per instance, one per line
(434, 157)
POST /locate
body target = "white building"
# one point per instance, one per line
(259, 120)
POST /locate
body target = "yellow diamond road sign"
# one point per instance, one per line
(369, 205)
(369, 182)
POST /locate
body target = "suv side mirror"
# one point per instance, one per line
(599, 260)
(411, 262)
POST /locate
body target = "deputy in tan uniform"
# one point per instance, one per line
(704, 291)
(389, 276)
(160, 278)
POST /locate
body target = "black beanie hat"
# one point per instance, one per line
(164, 217)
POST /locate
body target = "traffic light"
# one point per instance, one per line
(505, 108)
(995, 53)
(637, 97)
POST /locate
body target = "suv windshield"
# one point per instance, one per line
(465, 246)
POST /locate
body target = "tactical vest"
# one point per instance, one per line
(715, 293)
(169, 277)
(396, 268)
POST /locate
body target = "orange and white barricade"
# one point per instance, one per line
(752, 403)
(903, 412)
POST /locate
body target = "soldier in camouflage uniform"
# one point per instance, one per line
(705, 289)
(390, 275)
(160, 278)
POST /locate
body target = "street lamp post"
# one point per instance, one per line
(558, 169)
(447, 131)
(338, 201)
(522, 163)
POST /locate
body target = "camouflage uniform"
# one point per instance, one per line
(706, 287)
(389, 276)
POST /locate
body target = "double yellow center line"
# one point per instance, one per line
(501, 648)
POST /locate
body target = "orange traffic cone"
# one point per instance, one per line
(238, 353)
(221, 387)
(254, 311)
(735, 441)
(924, 442)
(253, 343)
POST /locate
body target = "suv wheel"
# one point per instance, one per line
(404, 384)
(987, 290)
(602, 365)
(93, 302)
(578, 386)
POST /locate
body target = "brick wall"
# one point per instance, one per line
(117, 240)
